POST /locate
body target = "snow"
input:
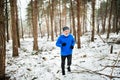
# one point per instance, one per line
(45, 64)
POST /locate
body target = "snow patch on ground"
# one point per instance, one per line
(45, 63)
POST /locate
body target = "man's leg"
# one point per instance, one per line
(69, 61)
(63, 64)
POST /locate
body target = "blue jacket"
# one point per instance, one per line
(69, 40)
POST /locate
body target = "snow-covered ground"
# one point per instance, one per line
(92, 62)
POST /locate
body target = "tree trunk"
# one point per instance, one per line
(35, 24)
(6, 23)
(2, 41)
(73, 19)
(109, 22)
(52, 18)
(64, 12)
(118, 17)
(56, 29)
(14, 28)
(60, 15)
(40, 16)
(104, 21)
(47, 25)
(40, 30)
(93, 20)
(17, 24)
(115, 16)
(22, 30)
(78, 25)
(21, 25)
(98, 26)
(83, 18)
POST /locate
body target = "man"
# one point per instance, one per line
(66, 42)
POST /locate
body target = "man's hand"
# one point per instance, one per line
(71, 47)
(63, 44)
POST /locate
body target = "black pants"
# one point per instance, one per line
(69, 61)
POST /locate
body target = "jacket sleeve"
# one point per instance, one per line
(73, 41)
(58, 42)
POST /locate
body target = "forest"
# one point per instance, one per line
(27, 44)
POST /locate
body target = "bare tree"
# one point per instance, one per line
(64, 12)
(84, 2)
(109, 21)
(47, 25)
(17, 24)
(52, 18)
(78, 24)
(35, 23)
(73, 19)
(118, 16)
(2, 41)
(14, 27)
(93, 20)
(6, 20)
(116, 12)
(104, 21)
(60, 15)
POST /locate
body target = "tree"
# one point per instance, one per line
(47, 24)
(52, 18)
(64, 12)
(73, 18)
(29, 19)
(116, 17)
(14, 27)
(78, 24)
(2, 41)
(56, 14)
(84, 2)
(45, 13)
(109, 20)
(6, 21)
(93, 20)
(35, 23)
(102, 15)
(17, 24)
(60, 15)
(104, 21)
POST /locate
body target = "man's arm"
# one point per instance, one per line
(58, 42)
(73, 41)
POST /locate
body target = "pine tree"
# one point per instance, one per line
(2, 41)
(13, 4)
(35, 23)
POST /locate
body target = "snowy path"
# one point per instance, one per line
(45, 64)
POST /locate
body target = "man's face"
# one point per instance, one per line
(66, 32)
